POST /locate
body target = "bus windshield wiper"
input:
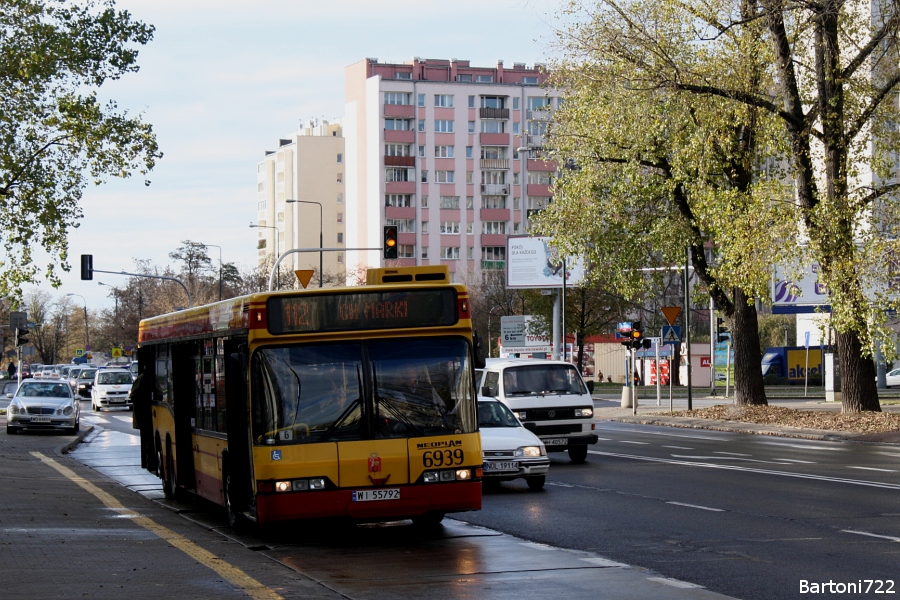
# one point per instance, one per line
(388, 403)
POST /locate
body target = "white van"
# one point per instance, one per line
(549, 397)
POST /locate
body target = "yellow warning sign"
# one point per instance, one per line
(303, 276)
(671, 313)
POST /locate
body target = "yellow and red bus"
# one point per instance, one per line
(353, 402)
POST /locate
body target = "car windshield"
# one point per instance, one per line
(87, 375)
(48, 390)
(362, 390)
(495, 414)
(113, 378)
(542, 379)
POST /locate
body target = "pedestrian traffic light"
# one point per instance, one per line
(722, 333)
(390, 242)
(87, 267)
(21, 337)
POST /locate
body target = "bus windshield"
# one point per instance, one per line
(357, 390)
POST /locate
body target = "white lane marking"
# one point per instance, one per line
(678, 435)
(802, 446)
(893, 454)
(678, 447)
(675, 583)
(756, 460)
(876, 484)
(633, 442)
(697, 506)
(874, 535)
(125, 418)
(794, 460)
(872, 469)
(602, 562)
(732, 453)
(600, 439)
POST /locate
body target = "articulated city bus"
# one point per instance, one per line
(351, 402)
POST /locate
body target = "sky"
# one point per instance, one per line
(223, 80)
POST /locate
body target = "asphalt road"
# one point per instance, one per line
(743, 515)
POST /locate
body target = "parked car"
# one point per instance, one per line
(112, 387)
(510, 451)
(39, 404)
(549, 397)
(73, 378)
(892, 379)
(85, 383)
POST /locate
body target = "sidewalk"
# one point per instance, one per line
(608, 408)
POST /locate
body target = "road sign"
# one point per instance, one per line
(303, 276)
(18, 320)
(512, 331)
(671, 313)
(671, 335)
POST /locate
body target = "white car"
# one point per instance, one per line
(112, 387)
(509, 450)
(892, 379)
(42, 404)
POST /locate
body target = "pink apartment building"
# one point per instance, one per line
(433, 146)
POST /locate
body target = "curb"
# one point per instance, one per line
(69, 446)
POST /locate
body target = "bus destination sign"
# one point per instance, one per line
(361, 310)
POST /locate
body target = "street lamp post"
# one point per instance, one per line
(220, 267)
(275, 251)
(87, 339)
(321, 232)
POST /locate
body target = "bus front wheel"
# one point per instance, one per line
(577, 454)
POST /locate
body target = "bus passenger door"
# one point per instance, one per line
(184, 390)
(238, 464)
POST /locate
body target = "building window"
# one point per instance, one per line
(424, 251)
(398, 200)
(540, 177)
(424, 177)
(403, 225)
(470, 203)
(493, 102)
(260, 206)
(444, 176)
(493, 126)
(399, 174)
(467, 78)
(515, 103)
(443, 126)
(403, 75)
(443, 100)
(340, 237)
(515, 204)
(449, 252)
(424, 226)
(538, 103)
(515, 127)
(443, 151)
(340, 178)
(468, 151)
(493, 152)
(424, 201)
(261, 186)
(392, 124)
(397, 150)
(493, 253)
(450, 227)
(421, 124)
(396, 98)
(517, 228)
(340, 257)
(493, 227)
(493, 202)
(340, 217)
(537, 127)
(449, 201)
(469, 227)
(537, 202)
(471, 101)
(493, 177)
(340, 198)
(406, 251)
(470, 177)
(470, 251)
(471, 126)
(529, 80)
(515, 178)
(421, 99)
(484, 79)
(422, 151)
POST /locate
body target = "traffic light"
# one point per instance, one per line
(21, 337)
(390, 242)
(637, 336)
(722, 333)
(87, 267)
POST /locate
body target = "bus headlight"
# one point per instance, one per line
(438, 476)
(463, 474)
(584, 412)
(283, 486)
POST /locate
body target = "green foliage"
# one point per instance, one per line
(55, 135)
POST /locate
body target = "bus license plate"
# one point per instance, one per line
(556, 442)
(501, 466)
(40, 419)
(370, 495)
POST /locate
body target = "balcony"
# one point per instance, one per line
(495, 189)
(493, 239)
(494, 113)
(535, 164)
(399, 135)
(494, 139)
(399, 110)
(400, 212)
(494, 214)
(539, 189)
(495, 163)
(399, 161)
(399, 187)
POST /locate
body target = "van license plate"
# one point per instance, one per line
(370, 495)
(556, 442)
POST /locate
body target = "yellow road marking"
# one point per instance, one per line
(253, 588)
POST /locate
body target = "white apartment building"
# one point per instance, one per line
(300, 200)
(433, 146)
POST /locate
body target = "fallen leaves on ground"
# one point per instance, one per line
(862, 422)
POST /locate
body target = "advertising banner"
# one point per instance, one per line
(533, 262)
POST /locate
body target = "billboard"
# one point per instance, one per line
(533, 262)
(801, 293)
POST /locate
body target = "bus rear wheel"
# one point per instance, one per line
(429, 519)
(577, 454)
(170, 486)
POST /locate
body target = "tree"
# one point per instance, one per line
(657, 171)
(823, 84)
(55, 135)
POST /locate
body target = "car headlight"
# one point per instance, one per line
(584, 412)
(68, 410)
(15, 408)
(520, 414)
(530, 451)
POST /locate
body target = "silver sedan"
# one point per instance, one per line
(43, 404)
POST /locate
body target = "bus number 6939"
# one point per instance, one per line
(443, 458)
